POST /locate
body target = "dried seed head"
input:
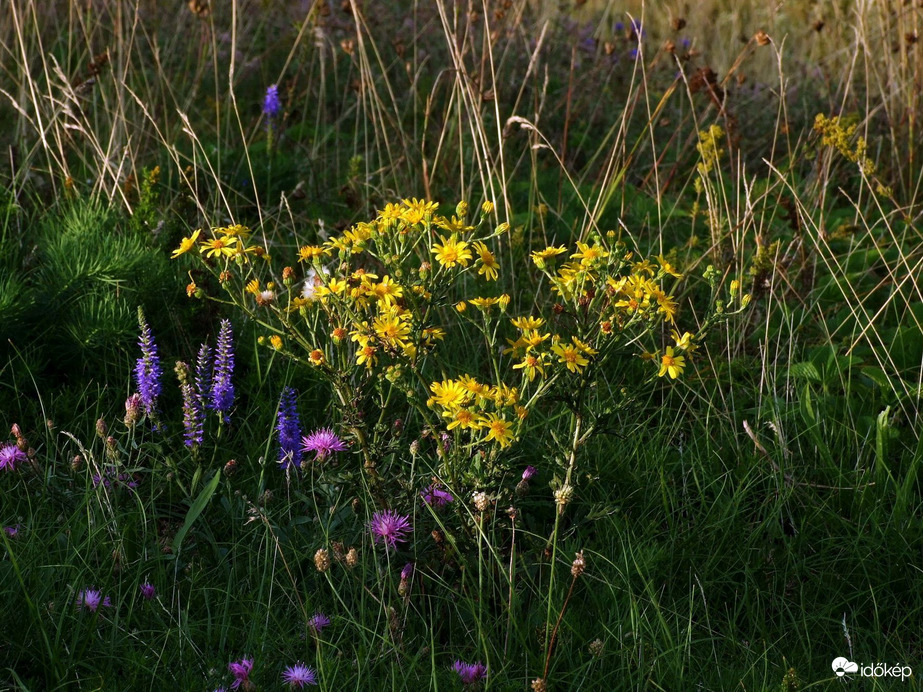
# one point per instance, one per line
(596, 647)
(578, 565)
(102, 430)
(538, 685)
(762, 38)
(322, 560)
(481, 501)
(230, 468)
(352, 558)
(76, 463)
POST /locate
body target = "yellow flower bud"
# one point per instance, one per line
(461, 209)
(487, 207)
(461, 306)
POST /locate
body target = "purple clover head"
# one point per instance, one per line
(317, 623)
(390, 527)
(11, 456)
(529, 473)
(148, 591)
(147, 368)
(299, 675)
(288, 428)
(241, 671)
(323, 443)
(470, 673)
(271, 104)
(91, 599)
(435, 496)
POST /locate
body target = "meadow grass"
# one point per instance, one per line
(741, 526)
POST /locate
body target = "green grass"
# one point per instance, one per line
(758, 515)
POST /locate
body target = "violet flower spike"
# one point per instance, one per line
(289, 429)
(193, 417)
(390, 527)
(147, 368)
(203, 373)
(271, 104)
(222, 388)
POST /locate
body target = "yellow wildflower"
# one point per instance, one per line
(306, 253)
(386, 291)
(391, 329)
(452, 252)
(484, 303)
(684, 342)
(276, 341)
(461, 418)
(499, 429)
(488, 262)
(671, 365)
(527, 323)
(220, 246)
(448, 394)
(532, 365)
(668, 268)
(541, 256)
(316, 357)
(186, 244)
(366, 355)
(570, 356)
(589, 255)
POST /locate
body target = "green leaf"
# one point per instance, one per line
(196, 509)
(804, 371)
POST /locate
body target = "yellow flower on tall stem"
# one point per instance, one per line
(671, 365)
(186, 244)
(498, 428)
(226, 246)
(570, 356)
(452, 251)
(489, 263)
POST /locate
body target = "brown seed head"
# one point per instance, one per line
(322, 560)
(578, 565)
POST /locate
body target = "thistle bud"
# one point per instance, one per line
(578, 565)
(132, 410)
(504, 302)
(102, 430)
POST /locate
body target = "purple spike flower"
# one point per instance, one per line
(435, 496)
(11, 456)
(470, 673)
(91, 599)
(222, 389)
(241, 672)
(271, 104)
(390, 527)
(193, 416)
(147, 368)
(298, 676)
(289, 429)
(322, 442)
(203, 374)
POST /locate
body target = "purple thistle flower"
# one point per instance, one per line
(529, 473)
(390, 527)
(318, 622)
(322, 442)
(222, 389)
(11, 531)
(298, 676)
(289, 429)
(148, 590)
(271, 104)
(407, 572)
(203, 375)
(91, 599)
(435, 496)
(241, 672)
(147, 368)
(470, 673)
(193, 416)
(11, 456)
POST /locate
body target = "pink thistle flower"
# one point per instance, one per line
(11, 456)
(241, 672)
(298, 676)
(318, 622)
(470, 673)
(322, 442)
(91, 599)
(390, 527)
(148, 590)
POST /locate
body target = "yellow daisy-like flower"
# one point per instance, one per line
(452, 251)
(471, 385)
(488, 262)
(570, 356)
(667, 305)
(236, 230)
(386, 291)
(366, 356)
(643, 267)
(589, 255)
(453, 225)
(226, 246)
(532, 364)
(684, 342)
(448, 394)
(276, 341)
(527, 323)
(253, 287)
(668, 268)
(461, 418)
(433, 334)
(334, 286)
(391, 329)
(539, 257)
(306, 253)
(498, 428)
(391, 211)
(186, 244)
(671, 365)
(316, 357)
(484, 303)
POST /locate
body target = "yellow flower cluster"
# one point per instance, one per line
(490, 412)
